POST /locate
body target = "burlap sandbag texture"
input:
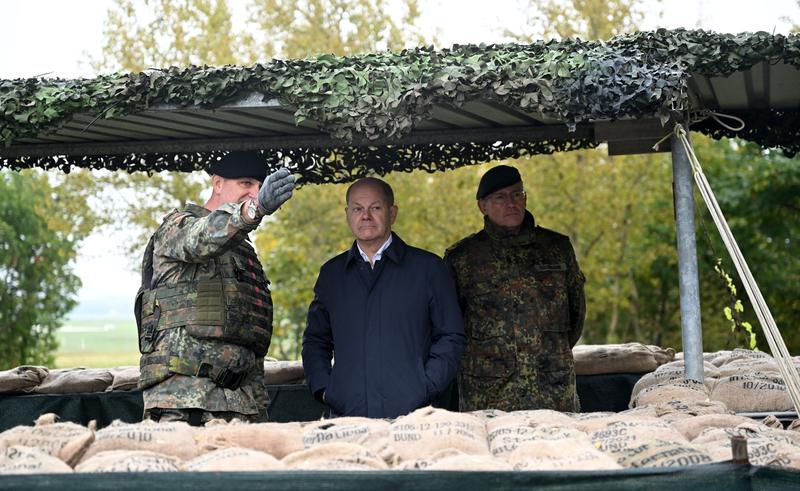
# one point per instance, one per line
(75, 381)
(234, 459)
(18, 459)
(428, 430)
(175, 439)
(276, 439)
(619, 358)
(22, 378)
(66, 441)
(130, 461)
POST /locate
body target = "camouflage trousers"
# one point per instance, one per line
(516, 394)
(198, 417)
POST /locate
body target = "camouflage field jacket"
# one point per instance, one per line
(523, 305)
(184, 249)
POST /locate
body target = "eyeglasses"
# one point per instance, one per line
(503, 198)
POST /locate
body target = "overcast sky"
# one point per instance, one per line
(56, 37)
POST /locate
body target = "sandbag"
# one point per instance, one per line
(428, 430)
(661, 453)
(123, 379)
(66, 441)
(335, 456)
(504, 440)
(129, 461)
(276, 439)
(234, 459)
(487, 414)
(639, 416)
(685, 390)
(752, 393)
(794, 425)
(749, 429)
(454, 460)
(465, 462)
(744, 366)
(283, 372)
(530, 418)
(559, 455)
(692, 427)
(617, 438)
(22, 378)
(176, 439)
(772, 422)
(75, 381)
(617, 358)
(17, 459)
(367, 432)
(725, 357)
(678, 410)
(670, 372)
(761, 450)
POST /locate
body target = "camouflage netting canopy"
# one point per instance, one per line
(368, 113)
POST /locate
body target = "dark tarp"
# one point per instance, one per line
(710, 477)
(289, 402)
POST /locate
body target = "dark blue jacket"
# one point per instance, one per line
(396, 331)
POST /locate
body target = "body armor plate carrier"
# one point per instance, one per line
(234, 307)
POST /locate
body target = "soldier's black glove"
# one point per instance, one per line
(275, 191)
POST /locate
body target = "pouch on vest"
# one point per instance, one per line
(145, 304)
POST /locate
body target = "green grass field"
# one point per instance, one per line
(97, 342)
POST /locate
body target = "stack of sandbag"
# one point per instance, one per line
(372, 434)
(278, 372)
(542, 440)
(619, 358)
(276, 439)
(41, 380)
(44, 447)
(22, 379)
(75, 381)
(765, 445)
(140, 447)
(744, 380)
(19, 459)
(124, 379)
(655, 435)
(426, 432)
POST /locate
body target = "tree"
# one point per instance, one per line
(617, 210)
(586, 19)
(37, 284)
(137, 38)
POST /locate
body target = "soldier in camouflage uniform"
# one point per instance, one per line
(521, 293)
(204, 311)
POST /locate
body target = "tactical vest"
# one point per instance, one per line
(234, 307)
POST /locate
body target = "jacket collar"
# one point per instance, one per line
(197, 210)
(395, 251)
(526, 234)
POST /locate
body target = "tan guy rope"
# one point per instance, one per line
(768, 326)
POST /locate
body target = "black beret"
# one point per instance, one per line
(497, 178)
(240, 164)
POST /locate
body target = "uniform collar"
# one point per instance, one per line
(525, 235)
(197, 210)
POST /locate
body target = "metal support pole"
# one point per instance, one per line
(691, 332)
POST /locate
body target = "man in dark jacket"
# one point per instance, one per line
(389, 313)
(521, 291)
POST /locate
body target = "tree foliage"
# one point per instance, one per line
(296, 242)
(37, 284)
(617, 210)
